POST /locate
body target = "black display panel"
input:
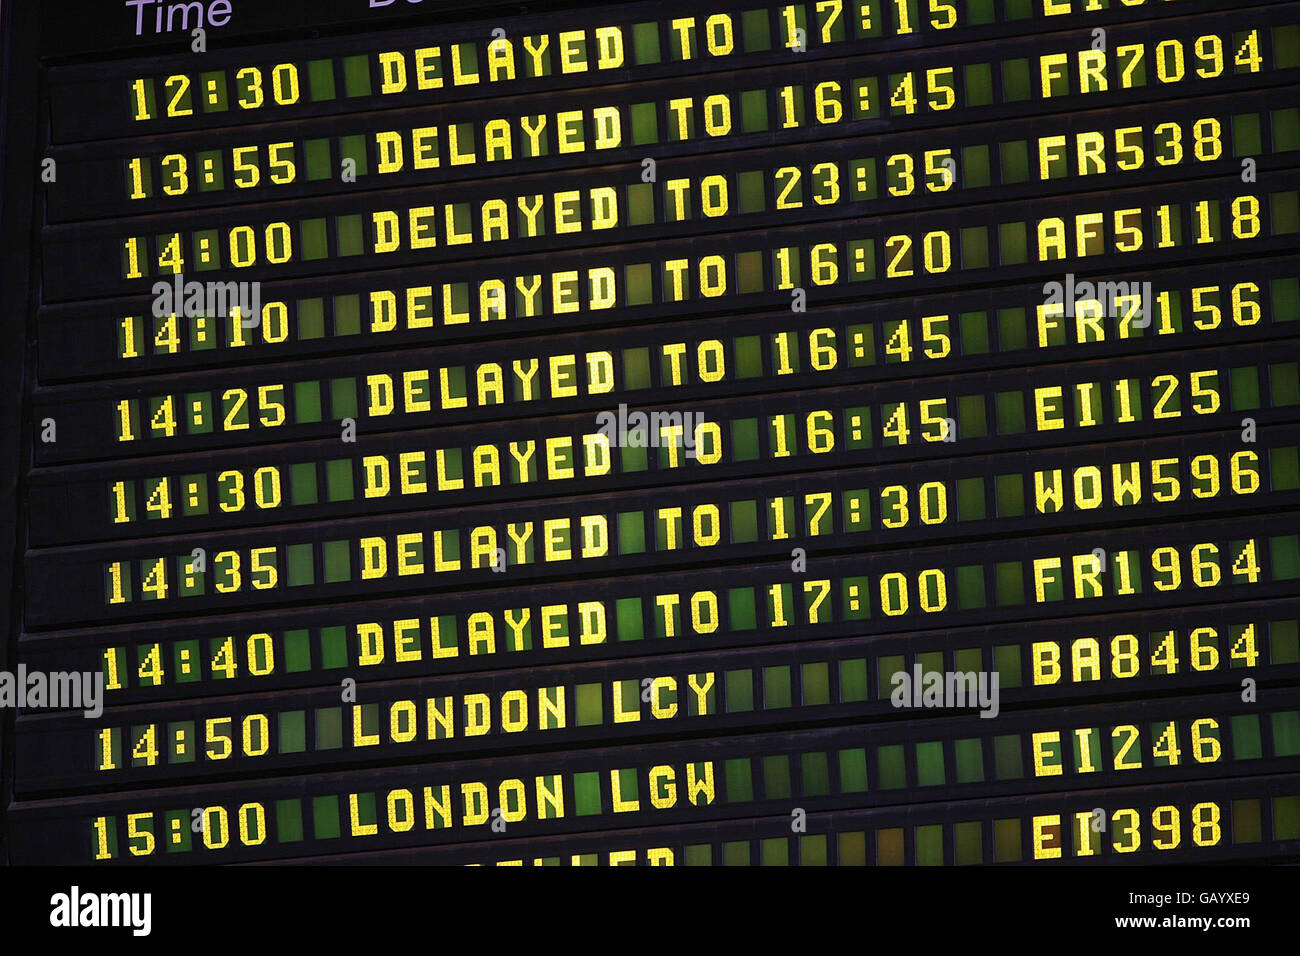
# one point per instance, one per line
(576, 433)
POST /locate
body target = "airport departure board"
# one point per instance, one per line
(759, 432)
